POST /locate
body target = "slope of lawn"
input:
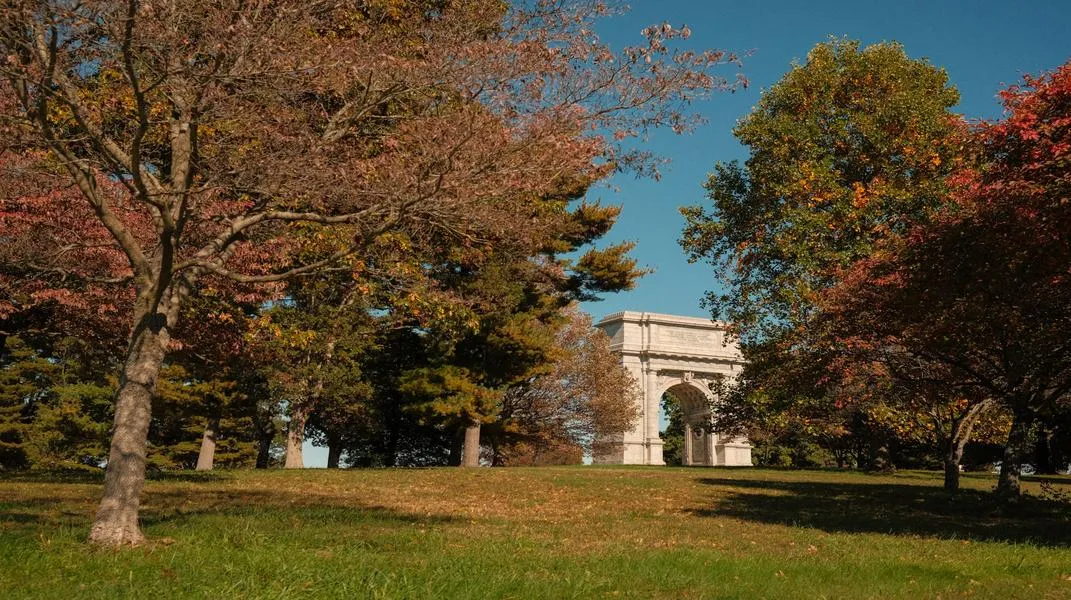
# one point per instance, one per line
(569, 532)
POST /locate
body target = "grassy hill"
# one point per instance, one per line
(570, 532)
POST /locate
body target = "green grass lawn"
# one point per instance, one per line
(569, 532)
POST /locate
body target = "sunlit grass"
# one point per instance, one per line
(579, 532)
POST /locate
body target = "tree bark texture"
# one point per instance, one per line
(116, 522)
(961, 434)
(295, 438)
(471, 454)
(1008, 486)
(207, 456)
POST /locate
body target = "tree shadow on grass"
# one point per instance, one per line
(165, 506)
(897, 509)
(34, 516)
(1054, 479)
(73, 508)
(97, 476)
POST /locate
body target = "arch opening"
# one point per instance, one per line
(697, 442)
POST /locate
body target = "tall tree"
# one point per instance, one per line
(982, 290)
(310, 348)
(849, 147)
(846, 147)
(522, 325)
(509, 340)
(226, 123)
(398, 435)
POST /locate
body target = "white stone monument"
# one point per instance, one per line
(682, 356)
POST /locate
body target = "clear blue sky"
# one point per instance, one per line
(983, 44)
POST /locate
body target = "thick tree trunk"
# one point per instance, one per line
(295, 432)
(334, 453)
(456, 445)
(951, 473)
(295, 439)
(961, 434)
(1010, 468)
(207, 456)
(265, 424)
(264, 448)
(116, 522)
(471, 455)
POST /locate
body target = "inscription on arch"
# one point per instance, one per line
(684, 337)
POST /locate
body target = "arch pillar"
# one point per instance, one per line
(686, 451)
(653, 402)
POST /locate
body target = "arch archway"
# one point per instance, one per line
(681, 356)
(694, 403)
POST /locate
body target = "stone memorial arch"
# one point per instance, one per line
(682, 356)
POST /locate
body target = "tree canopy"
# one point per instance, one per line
(206, 140)
(848, 146)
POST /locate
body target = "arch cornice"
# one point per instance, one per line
(708, 357)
